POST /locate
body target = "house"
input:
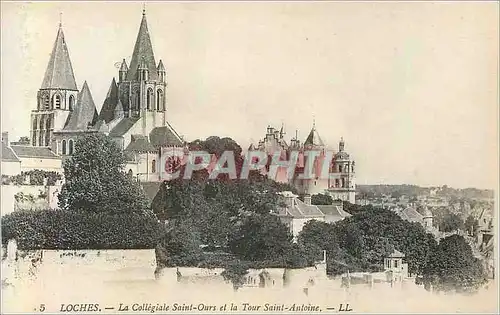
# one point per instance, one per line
(295, 213)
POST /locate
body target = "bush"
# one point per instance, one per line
(58, 229)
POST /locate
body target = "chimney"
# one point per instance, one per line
(307, 199)
(5, 137)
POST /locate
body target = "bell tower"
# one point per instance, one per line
(57, 95)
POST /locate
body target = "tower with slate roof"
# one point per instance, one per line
(339, 184)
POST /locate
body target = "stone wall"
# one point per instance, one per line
(44, 197)
(85, 265)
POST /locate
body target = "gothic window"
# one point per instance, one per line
(64, 147)
(70, 147)
(57, 101)
(159, 100)
(153, 166)
(150, 103)
(71, 102)
(34, 123)
(46, 102)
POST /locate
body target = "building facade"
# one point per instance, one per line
(134, 112)
(341, 181)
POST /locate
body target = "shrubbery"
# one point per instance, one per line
(58, 229)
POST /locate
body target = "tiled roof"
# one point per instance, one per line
(164, 136)
(334, 210)
(108, 107)
(59, 73)
(140, 144)
(84, 114)
(151, 189)
(143, 50)
(308, 210)
(8, 154)
(397, 254)
(34, 152)
(123, 126)
(411, 215)
(313, 139)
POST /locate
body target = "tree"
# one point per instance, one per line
(452, 266)
(321, 199)
(96, 182)
(451, 222)
(261, 237)
(471, 225)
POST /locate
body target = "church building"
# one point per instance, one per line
(134, 112)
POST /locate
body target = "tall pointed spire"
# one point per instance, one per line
(313, 140)
(143, 49)
(59, 73)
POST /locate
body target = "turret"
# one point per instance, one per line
(123, 71)
(341, 144)
(162, 74)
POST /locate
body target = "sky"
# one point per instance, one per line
(412, 87)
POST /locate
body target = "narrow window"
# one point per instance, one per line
(150, 103)
(64, 147)
(70, 147)
(153, 166)
(57, 101)
(71, 102)
(46, 102)
(159, 100)
(47, 138)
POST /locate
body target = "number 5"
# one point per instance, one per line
(42, 307)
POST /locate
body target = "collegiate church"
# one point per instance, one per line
(133, 112)
(134, 115)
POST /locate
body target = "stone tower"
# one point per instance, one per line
(342, 184)
(141, 85)
(57, 96)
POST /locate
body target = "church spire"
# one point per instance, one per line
(143, 49)
(59, 73)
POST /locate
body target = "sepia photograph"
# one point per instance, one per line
(262, 157)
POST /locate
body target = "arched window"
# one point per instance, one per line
(35, 123)
(137, 104)
(46, 102)
(70, 147)
(340, 168)
(130, 172)
(150, 104)
(64, 147)
(33, 140)
(57, 101)
(153, 166)
(71, 102)
(159, 100)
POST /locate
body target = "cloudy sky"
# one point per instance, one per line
(412, 87)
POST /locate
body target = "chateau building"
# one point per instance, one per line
(340, 184)
(134, 112)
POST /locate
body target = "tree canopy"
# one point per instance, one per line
(95, 180)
